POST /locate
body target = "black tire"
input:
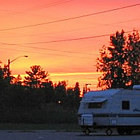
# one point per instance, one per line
(87, 131)
(121, 131)
(109, 132)
(129, 131)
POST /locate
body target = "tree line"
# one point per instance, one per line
(24, 100)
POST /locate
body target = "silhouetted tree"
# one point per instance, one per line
(70, 92)
(60, 91)
(77, 96)
(69, 99)
(118, 62)
(49, 91)
(4, 79)
(36, 77)
(111, 62)
(77, 91)
(72, 98)
(16, 97)
(21, 104)
(17, 80)
(133, 56)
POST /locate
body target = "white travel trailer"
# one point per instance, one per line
(110, 109)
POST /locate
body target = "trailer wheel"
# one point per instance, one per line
(129, 131)
(109, 132)
(87, 131)
(121, 131)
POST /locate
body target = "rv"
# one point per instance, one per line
(110, 109)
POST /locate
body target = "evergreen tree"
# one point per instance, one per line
(77, 91)
(17, 80)
(60, 91)
(49, 91)
(35, 77)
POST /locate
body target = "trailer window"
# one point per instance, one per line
(95, 105)
(125, 105)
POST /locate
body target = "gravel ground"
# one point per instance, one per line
(54, 135)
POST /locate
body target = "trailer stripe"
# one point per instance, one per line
(114, 115)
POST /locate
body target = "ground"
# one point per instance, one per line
(60, 135)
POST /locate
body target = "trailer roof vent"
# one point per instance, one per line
(137, 87)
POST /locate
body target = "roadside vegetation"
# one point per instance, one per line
(36, 99)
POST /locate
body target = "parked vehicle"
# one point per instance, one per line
(110, 109)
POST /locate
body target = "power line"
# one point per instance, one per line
(71, 18)
(73, 39)
(38, 7)
(49, 5)
(71, 52)
(41, 48)
(45, 53)
(63, 40)
(78, 29)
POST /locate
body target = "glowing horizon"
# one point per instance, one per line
(90, 78)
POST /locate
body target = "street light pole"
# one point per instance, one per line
(9, 62)
(8, 68)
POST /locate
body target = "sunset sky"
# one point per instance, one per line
(62, 36)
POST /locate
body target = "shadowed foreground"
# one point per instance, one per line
(53, 135)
